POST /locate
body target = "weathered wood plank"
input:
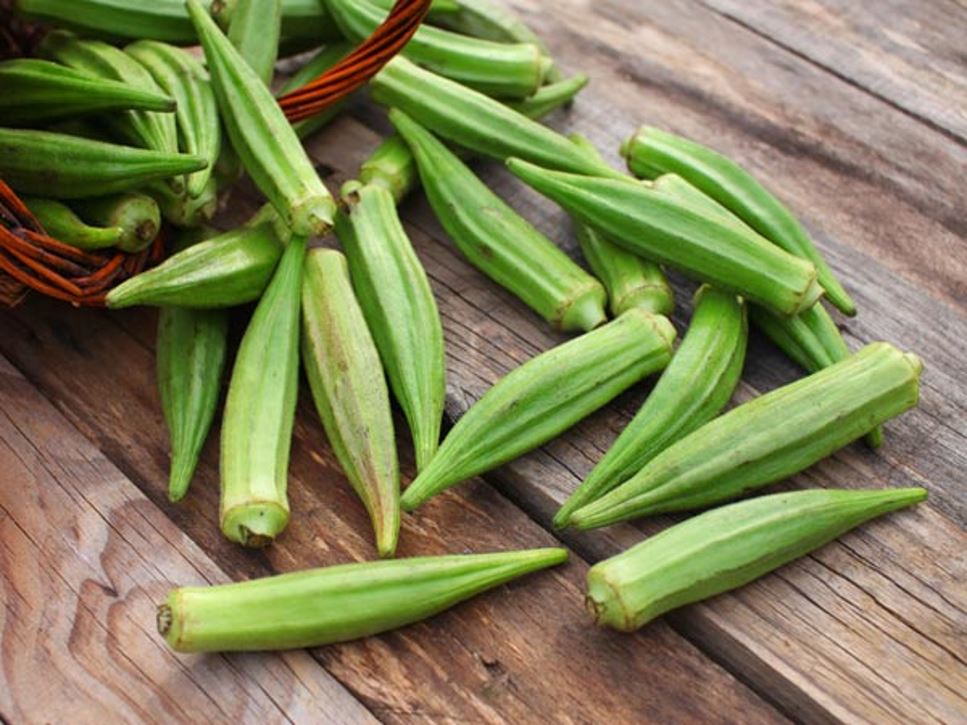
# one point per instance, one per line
(910, 54)
(84, 559)
(526, 653)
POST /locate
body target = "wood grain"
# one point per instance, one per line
(84, 558)
(524, 653)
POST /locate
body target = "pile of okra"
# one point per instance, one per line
(122, 125)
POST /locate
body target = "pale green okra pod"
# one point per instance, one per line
(498, 241)
(726, 548)
(335, 604)
(544, 397)
(260, 134)
(255, 31)
(693, 389)
(349, 389)
(260, 410)
(399, 307)
(767, 439)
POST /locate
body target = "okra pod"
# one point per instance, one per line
(498, 241)
(349, 389)
(726, 548)
(270, 150)
(136, 215)
(550, 97)
(182, 210)
(36, 91)
(255, 31)
(229, 270)
(319, 64)
(544, 397)
(399, 307)
(651, 152)
(164, 20)
(182, 76)
(693, 389)
(666, 230)
(41, 163)
(192, 348)
(497, 69)
(335, 604)
(477, 122)
(260, 410)
(63, 224)
(150, 129)
(767, 439)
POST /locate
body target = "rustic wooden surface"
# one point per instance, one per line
(859, 118)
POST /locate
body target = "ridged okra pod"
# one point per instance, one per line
(726, 548)
(544, 397)
(150, 129)
(182, 210)
(228, 270)
(693, 389)
(260, 410)
(498, 69)
(42, 163)
(183, 77)
(335, 604)
(767, 439)
(349, 389)
(550, 97)
(191, 351)
(399, 307)
(322, 61)
(255, 31)
(810, 338)
(136, 215)
(260, 134)
(652, 152)
(63, 224)
(666, 230)
(39, 91)
(498, 241)
(477, 122)
(164, 20)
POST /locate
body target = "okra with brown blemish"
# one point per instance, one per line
(260, 410)
(349, 389)
(268, 147)
(498, 69)
(652, 152)
(498, 241)
(767, 439)
(544, 397)
(335, 604)
(399, 307)
(693, 389)
(666, 230)
(726, 548)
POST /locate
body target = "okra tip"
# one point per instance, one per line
(585, 312)
(603, 602)
(313, 217)
(255, 525)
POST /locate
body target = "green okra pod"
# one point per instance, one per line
(42, 163)
(322, 61)
(477, 122)
(150, 129)
(191, 352)
(497, 69)
(550, 97)
(228, 270)
(164, 20)
(270, 150)
(544, 397)
(693, 389)
(767, 439)
(335, 604)
(652, 152)
(726, 548)
(37, 91)
(182, 210)
(260, 410)
(666, 230)
(498, 241)
(63, 224)
(255, 31)
(182, 76)
(349, 388)
(302, 20)
(399, 307)
(136, 215)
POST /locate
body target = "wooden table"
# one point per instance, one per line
(857, 113)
